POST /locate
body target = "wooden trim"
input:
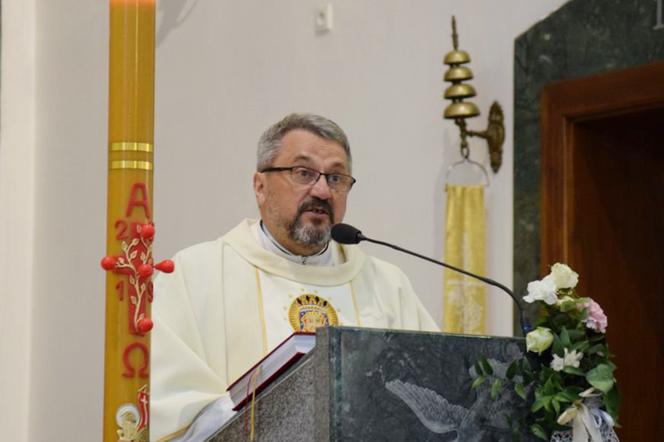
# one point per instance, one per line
(562, 105)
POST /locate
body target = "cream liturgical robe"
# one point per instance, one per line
(230, 301)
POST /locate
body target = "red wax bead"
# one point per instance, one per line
(166, 266)
(145, 270)
(145, 325)
(147, 231)
(108, 262)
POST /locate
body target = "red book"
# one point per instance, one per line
(270, 367)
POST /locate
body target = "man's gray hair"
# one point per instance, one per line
(270, 142)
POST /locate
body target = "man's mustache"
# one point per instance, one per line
(316, 204)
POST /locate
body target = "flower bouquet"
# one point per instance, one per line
(569, 374)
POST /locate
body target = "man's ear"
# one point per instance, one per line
(260, 188)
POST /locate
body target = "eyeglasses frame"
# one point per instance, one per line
(313, 183)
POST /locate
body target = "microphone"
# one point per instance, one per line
(347, 234)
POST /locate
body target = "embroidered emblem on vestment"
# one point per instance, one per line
(308, 312)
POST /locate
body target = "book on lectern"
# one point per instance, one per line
(258, 377)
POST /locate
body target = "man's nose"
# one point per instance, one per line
(321, 189)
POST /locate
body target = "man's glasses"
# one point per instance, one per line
(338, 182)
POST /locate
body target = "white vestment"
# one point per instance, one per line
(212, 317)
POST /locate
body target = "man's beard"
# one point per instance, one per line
(313, 234)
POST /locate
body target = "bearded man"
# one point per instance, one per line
(231, 301)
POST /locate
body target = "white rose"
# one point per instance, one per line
(544, 290)
(563, 276)
(539, 339)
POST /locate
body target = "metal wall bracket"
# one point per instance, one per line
(494, 135)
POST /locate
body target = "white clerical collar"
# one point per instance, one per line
(323, 258)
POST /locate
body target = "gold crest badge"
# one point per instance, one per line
(309, 311)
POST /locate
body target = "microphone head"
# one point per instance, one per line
(346, 234)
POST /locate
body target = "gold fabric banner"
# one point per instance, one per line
(465, 247)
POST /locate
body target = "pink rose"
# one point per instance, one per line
(596, 319)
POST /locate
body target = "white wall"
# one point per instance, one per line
(17, 220)
(225, 71)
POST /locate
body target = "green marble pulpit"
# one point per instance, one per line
(382, 385)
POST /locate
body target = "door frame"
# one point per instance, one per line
(564, 104)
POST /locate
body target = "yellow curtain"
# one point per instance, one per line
(465, 247)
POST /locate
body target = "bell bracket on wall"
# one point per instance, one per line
(459, 110)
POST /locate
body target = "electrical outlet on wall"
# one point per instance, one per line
(323, 19)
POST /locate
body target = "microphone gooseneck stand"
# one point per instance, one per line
(347, 234)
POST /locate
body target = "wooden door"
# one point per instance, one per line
(603, 214)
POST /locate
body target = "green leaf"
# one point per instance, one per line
(478, 381)
(601, 377)
(556, 406)
(541, 402)
(557, 347)
(581, 346)
(597, 348)
(576, 334)
(538, 431)
(596, 337)
(551, 379)
(573, 370)
(511, 370)
(486, 366)
(478, 368)
(547, 405)
(525, 365)
(564, 338)
(612, 402)
(562, 397)
(520, 390)
(495, 388)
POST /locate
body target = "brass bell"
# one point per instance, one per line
(456, 57)
(459, 91)
(458, 73)
(464, 109)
